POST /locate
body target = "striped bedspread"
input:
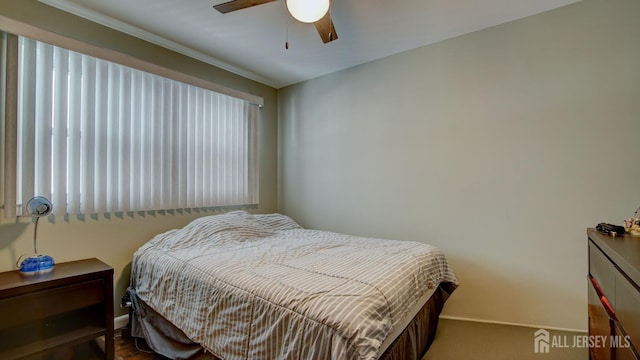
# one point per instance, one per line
(261, 287)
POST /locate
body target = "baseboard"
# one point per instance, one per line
(120, 321)
(511, 324)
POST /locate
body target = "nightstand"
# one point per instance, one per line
(41, 314)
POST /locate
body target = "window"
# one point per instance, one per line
(99, 137)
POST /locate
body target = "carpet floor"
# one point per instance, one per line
(481, 341)
(455, 340)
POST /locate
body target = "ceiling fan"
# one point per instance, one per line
(322, 22)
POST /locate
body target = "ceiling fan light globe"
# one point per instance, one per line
(308, 11)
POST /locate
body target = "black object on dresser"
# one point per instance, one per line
(53, 312)
(614, 295)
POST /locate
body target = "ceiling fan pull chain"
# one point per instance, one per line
(286, 26)
(286, 42)
(331, 20)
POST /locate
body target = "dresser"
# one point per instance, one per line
(59, 313)
(614, 296)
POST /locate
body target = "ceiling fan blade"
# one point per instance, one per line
(238, 4)
(325, 28)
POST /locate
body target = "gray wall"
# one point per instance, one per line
(113, 240)
(501, 147)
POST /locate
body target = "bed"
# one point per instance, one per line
(243, 286)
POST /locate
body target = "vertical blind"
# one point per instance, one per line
(98, 137)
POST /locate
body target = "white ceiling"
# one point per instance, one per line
(251, 42)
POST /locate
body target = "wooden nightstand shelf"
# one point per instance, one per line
(45, 313)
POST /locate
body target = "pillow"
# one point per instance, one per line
(235, 226)
(276, 222)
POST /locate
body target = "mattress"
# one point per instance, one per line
(402, 324)
(260, 287)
